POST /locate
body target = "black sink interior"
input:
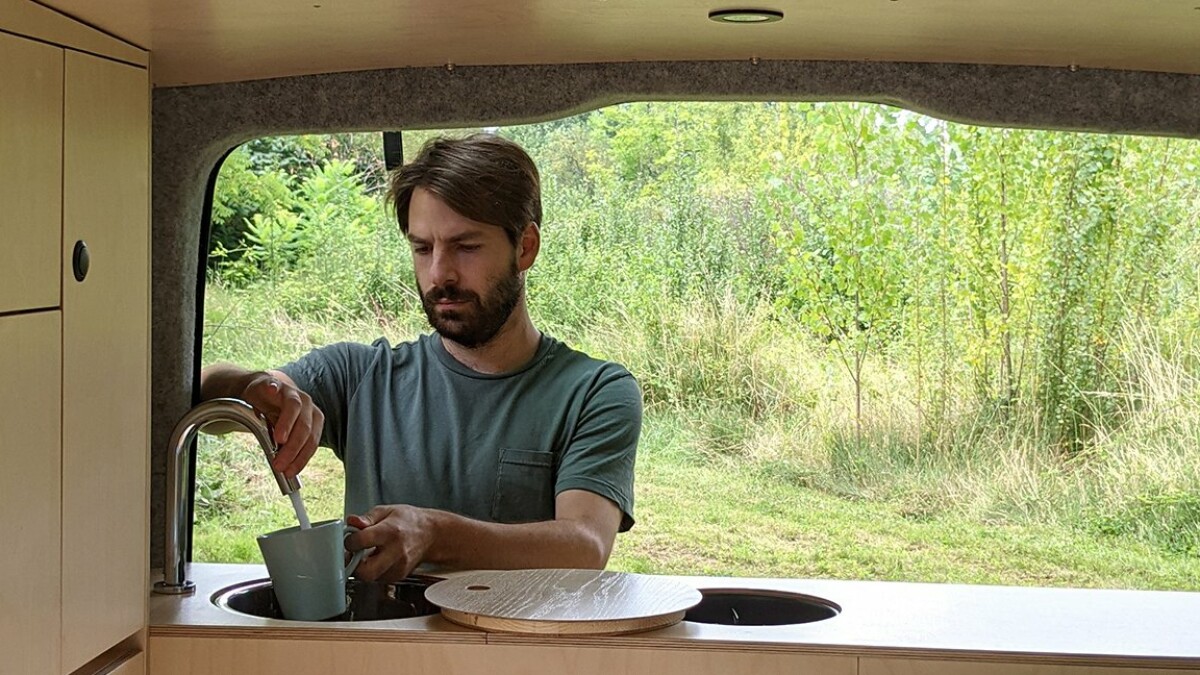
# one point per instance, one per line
(367, 600)
(759, 608)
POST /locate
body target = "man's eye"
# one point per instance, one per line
(420, 250)
(470, 247)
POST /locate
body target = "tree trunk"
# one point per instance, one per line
(1006, 363)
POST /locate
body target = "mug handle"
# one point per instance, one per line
(358, 555)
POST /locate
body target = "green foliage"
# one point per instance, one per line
(844, 297)
(329, 250)
(239, 195)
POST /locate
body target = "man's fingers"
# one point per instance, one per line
(383, 564)
(292, 409)
(301, 460)
(394, 532)
(289, 453)
(372, 530)
(375, 565)
(372, 534)
(361, 522)
(263, 392)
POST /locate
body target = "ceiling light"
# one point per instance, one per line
(745, 15)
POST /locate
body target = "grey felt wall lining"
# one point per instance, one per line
(193, 127)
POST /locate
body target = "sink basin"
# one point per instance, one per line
(743, 607)
(367, 600)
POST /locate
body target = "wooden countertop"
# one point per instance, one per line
(947, 621)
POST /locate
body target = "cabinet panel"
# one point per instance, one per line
(221, 656)
(34, 19)
(31, 96)
(870, 666)
(105, 356)
(30, 419)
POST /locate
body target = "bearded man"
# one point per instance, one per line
(485, 444)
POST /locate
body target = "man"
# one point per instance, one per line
(486, 444)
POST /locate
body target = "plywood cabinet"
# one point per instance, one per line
(200, 656)
(105, 356)
(894, 666)
(30, 417)
(282, 656)
(31, 92)
(74, 357)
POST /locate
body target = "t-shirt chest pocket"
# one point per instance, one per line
(524, 486)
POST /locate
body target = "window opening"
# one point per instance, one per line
(872, 344)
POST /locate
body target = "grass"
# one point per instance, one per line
(753, 467)
(722, 516)
(237, 499)
(697, 516)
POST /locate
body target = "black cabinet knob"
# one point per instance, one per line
(80, 260)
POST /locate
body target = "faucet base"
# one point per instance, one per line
(163, 588)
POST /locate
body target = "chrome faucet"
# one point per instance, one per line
(175, 581)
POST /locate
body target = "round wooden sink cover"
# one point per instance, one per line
(578, 602)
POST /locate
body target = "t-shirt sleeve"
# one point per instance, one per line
(600, 457)
(331, 375)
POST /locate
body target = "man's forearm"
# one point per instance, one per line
(464, 543)
(224, 380)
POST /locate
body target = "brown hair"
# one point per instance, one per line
(483, 177)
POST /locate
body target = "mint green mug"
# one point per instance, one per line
(307, 570)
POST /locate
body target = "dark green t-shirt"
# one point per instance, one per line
(414, 426)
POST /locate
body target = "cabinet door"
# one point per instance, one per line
(30, 418)
(105, 356)
(31, 81)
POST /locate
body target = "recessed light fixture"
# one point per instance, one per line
(745, 15)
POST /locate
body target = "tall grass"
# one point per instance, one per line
(680, 281)
(779, 404)
(780, 400)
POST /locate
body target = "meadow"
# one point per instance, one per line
(872, 345)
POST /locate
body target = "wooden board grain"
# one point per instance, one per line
(30, 496)
(266, 656)
(229, 40)
(561, 601)
(31, 98)
(106, 357)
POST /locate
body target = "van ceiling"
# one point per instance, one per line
(207, 41)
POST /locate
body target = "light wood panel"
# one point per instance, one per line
(869, 666)
(562, 601)
(105, 356)
(43, 23)
(30, 419)
(987, 624)
(184, 656)
(227, 40)
(31, 82)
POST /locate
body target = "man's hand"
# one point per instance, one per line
(296, 422)
(580, 536)
(401, 536)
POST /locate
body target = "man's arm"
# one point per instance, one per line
(580, 536)
(295, 419)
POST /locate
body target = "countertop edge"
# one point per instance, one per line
(1071, 627)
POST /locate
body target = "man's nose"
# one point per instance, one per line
(442, 268)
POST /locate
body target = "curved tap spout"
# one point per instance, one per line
(175, 580)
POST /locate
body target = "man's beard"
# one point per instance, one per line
(479, 322)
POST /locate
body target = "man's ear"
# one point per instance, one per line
(528, 246)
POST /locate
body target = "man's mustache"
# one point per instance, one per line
(450, 294)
